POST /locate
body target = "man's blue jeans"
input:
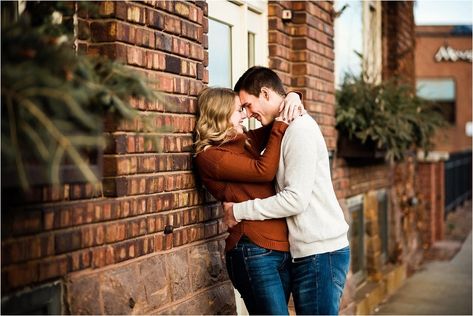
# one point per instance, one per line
(261, 276)
(318, 282)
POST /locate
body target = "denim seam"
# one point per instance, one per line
(258, 255)
(332, 274)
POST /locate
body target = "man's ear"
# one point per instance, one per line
(265, 92)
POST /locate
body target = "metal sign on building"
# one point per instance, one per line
(448, 53)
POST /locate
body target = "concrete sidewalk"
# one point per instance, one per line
(440, 288)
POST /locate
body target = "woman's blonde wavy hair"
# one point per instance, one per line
(213, 127)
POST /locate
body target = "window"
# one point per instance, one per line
(220, 54)
(238, 39)
(42, 300)
(357, 240)
(349, 38)
(442, 93)
(251, 49)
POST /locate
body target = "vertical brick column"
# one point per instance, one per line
(398, 40)
(431, 183)
(302, 53)
(427, 184)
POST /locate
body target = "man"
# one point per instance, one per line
(317, 228)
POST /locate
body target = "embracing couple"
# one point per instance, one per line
(287, 232)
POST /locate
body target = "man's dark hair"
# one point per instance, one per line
(258, 77)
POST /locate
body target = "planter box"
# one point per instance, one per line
(355, 149)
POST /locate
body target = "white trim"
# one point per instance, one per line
(432, 156)
(242, 18)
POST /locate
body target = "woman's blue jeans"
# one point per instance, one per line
(261, 276)
(318, 282)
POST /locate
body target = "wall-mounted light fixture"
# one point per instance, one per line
(286, 15)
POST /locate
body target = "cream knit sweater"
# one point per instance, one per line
(305, 194)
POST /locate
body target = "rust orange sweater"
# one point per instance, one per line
(236, 172)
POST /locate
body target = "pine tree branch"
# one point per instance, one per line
(68, 100)
(14, 139)
(61, 140)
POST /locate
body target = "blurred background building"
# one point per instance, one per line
(443, 76)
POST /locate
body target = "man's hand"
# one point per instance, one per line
(229, 218)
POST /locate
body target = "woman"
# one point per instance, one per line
(230, 166)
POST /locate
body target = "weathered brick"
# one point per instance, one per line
(182, 9)
(136, 56)
(67, 241)
(121, 10)
(19, 275)
(172, 25)
(103, 31)
(53, 268)
(135, 14)
(173, 64)
(190, 31)
(154, 19)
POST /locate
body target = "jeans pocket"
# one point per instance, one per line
(254, 251)
(339, 265)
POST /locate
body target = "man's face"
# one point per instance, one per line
(264, 108)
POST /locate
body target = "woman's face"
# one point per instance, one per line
(238, 115)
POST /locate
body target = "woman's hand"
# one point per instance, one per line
(291, 108)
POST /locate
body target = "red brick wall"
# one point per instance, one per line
(398, 40)
(431, 182)
(110, 249)
(302, 53)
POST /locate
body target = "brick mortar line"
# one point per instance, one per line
(90, 43)
(144, 25)
(105, 244)
(149, 255)
(67, 203)
(303, 62)
(170, 74)
(43, 233)
(149, 133)
(146, 154)
(164, 173)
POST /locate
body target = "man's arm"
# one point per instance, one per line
(300, 162)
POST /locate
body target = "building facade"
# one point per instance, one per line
(151, 242)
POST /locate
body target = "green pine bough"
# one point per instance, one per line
(54, 100)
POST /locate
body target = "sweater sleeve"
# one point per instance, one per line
(300, 167)
(259, 137)
(237, 167)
